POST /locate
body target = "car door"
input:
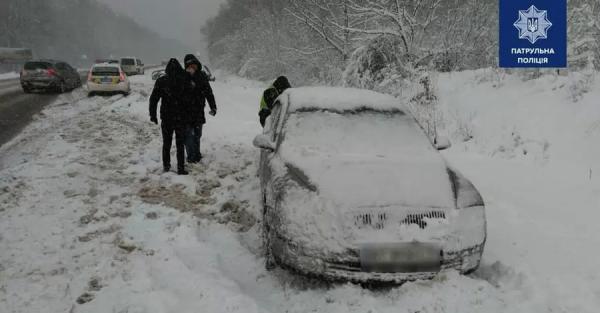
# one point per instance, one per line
(65, 73)
(266, 156)
(74, 75)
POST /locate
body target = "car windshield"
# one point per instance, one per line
(105, 71)
(128, 61)
(32, 66)
(371, 133)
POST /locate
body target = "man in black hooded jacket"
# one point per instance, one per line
(170, 90)
(196, 100)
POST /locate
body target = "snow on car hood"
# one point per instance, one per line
(366, 160)
(371, 181)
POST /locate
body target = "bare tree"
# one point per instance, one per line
(323, 18)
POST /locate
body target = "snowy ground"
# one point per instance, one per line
(9, 75)
(88, 223)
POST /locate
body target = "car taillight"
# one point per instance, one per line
(90, 76)
(122, 77)
(51, 72)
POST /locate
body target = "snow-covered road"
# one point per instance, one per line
(88, 223)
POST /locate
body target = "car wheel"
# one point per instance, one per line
(91, 94)
(26, 90)
(62, 87)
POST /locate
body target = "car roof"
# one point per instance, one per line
(106, 64)
(45, 61)
(339, 99)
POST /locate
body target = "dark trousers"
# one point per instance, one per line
(167, 133)
(192, 143)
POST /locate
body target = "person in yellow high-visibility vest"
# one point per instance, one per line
(269, 97)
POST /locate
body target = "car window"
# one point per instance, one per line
(105, 71)
(351, 133)
(32, 66)
(127, 61)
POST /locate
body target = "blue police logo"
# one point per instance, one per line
(533, 24)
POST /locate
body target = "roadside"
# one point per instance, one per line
(113, 233)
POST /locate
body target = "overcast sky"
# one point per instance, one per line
(178, 19)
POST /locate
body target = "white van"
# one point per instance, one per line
(132, 66)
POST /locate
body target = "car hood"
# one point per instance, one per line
(357, 181)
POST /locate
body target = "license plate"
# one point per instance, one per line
(106, 80)
(410, 257)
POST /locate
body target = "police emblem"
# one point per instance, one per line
(533, 24)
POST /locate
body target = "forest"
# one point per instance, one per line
(370, 43)
(79, 31)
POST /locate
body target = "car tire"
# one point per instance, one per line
(62, 87)
(91, 94)
(26, 90)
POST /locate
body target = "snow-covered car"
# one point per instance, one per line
(158, 74)
(49, 75)
(354, 190)
(107, 78)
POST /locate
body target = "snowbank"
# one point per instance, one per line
(89, 223)
(9, 75)
(551, 118)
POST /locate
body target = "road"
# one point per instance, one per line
(18, 108)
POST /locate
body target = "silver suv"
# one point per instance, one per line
(49, 75)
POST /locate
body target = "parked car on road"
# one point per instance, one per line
(49, 75)
(132, 66)
(107, 78)
(354, 190)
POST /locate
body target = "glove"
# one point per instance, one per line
(154, 120)
(213, 112)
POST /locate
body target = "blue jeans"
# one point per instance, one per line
(192, 143)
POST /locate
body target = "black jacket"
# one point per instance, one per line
(270, 95)
(201, 92)
(170, 89)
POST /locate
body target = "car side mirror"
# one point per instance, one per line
(263, 141)
(442, 143)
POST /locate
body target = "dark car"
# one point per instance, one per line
(49, 75)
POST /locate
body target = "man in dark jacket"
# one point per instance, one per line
(196, 101)
(269, 97)
(169, 89)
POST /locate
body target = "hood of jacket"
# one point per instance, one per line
(281, 84)
(191, 59)
(174, 68)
